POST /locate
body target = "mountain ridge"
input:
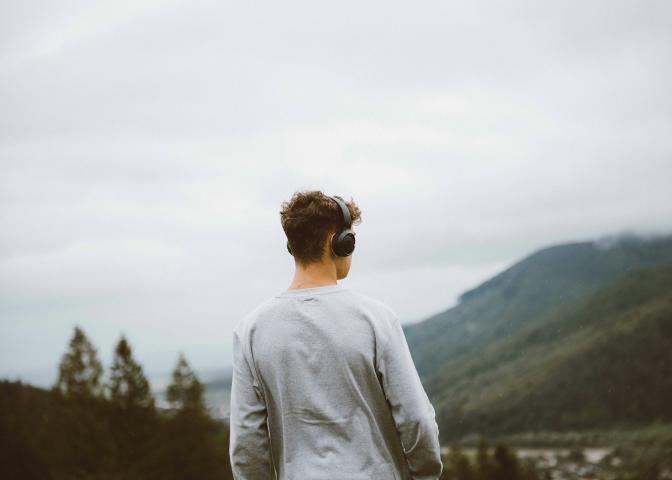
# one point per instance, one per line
(540, 282)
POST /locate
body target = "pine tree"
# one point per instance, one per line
(78, 411)
(136, 428)
(80, 371)
(128, 386)
(194, 447)
(186, 391)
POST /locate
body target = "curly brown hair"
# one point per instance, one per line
(308, 218)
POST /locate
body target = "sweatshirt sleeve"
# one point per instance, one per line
(412, 411)
(249, 446)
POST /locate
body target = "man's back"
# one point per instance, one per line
(325, 388)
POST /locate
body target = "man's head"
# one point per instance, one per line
(310, 219)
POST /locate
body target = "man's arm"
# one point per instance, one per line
(249, 446)
(411, 409)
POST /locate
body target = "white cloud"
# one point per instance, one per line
(146, 148)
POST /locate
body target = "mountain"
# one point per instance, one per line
(525, 292)
(599, 362)
(574, 336)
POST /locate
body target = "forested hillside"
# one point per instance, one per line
(602, 361)
(573, 337)
(526, 291)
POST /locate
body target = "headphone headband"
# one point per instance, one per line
(343, 241)
(347, 222)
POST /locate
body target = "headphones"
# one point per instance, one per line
(343, 241)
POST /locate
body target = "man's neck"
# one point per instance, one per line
(317, 274)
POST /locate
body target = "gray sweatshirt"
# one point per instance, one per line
(324, 388)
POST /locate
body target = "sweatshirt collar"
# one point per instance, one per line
(312, 290)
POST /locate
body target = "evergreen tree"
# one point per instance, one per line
(186, 391)
(78, 405)
(193, 439)
(136, 427)
(80, 371)
(128, 386)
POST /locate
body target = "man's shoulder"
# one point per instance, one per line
(372, 302)
(380, 310)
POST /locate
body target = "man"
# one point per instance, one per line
(324, 386)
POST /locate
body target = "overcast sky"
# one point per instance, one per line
(146, 147)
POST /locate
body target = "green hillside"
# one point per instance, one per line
(600, 361)
(523, 294)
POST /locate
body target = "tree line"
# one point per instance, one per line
(84, 428)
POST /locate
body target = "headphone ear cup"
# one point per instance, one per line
(343, 244)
